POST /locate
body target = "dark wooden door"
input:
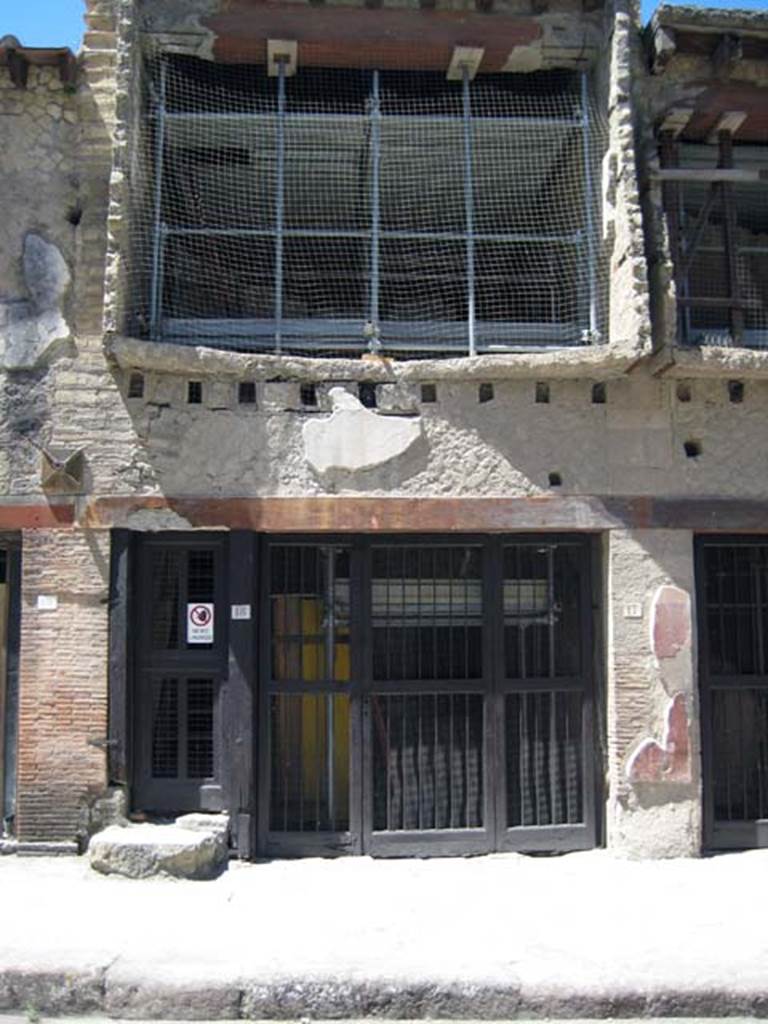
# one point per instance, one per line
(179, 673)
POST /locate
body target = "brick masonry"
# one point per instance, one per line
(63, 682)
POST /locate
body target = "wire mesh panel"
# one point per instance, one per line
(724, 265)
(346, 210)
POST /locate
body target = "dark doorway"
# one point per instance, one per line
(733, 621)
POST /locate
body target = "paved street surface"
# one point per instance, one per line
(483, 938)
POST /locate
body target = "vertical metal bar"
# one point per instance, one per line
(551, 607)
(158, 229)
(588, 211)
(280, 204)
(730, 230)
(375, 205)
(469, 212)
(553, 749)
(330, 637)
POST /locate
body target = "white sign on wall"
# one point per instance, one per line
(199, 623)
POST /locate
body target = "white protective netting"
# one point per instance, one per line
(723, 295)
(393, 211)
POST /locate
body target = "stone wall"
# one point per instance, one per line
(541, 429)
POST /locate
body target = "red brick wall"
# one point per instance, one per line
(63, 681)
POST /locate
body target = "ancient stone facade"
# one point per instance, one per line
(640, 444)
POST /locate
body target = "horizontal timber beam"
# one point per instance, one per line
(411, 515)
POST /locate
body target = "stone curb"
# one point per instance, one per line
(127, 996)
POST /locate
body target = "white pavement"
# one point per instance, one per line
(488, 937)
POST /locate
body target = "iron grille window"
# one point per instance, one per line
(345, 210)
(183, 729)
(719, 240)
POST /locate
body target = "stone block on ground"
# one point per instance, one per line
(200, 822)
(141, 851)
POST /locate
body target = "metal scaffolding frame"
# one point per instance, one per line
(357, 335)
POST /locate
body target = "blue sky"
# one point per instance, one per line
(60, 22)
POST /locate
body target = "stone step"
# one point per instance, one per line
(145, 850)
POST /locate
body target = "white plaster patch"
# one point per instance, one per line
(30, 328)
(354, 438)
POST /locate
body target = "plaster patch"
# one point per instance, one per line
(670, 622)
(354, 438)
(30, 329)
(668, 761)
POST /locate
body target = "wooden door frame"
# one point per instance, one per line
(494, 835)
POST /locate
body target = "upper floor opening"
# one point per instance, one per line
(326, 211)
(708, 88)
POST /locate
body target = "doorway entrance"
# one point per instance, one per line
(733, 642)
(426, 696)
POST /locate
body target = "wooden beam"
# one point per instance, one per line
(730, 121)
(574, 513)
(285, 51)
(120, 659)
(18, 65)
(675, 120)
(710, 174)
(36, 517)
(238, 706)
(469, 57)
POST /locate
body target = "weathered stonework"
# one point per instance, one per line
(153, 461)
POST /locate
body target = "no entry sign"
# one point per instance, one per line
(199, 623)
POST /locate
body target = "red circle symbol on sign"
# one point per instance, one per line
(200, 615)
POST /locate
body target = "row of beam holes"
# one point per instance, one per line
(736, 391)
(367, 397)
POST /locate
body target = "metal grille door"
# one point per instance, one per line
(733, 597)
(427, 696)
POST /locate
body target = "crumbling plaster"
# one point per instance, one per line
(660, 817)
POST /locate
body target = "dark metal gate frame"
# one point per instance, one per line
(361, 837)
(719, 835)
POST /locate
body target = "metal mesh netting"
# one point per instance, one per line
(724, 286)
(340, 211)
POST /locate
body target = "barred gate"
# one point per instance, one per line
(427, 696)
(733, 602)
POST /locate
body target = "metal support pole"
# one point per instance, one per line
(375, 207)
(330, 672)
(589, 225)
(469, 212)
(158, 234)
(280, 204)
(730, 238)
